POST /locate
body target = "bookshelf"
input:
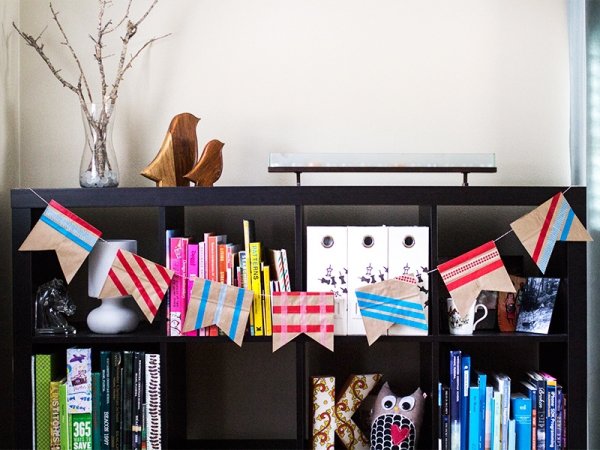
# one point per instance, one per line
(218, 396)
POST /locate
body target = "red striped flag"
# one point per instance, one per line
(467, 275)
(146, 281)
(295, 313)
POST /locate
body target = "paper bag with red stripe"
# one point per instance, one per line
(467, 275)
(388, 302)
(213, 303)
(295, 313)
(550, 222)
(71, 237)
(146, 281)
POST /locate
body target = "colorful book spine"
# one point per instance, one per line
(115, 404)
(168, 235)
(137, 421)
(531, 392)
(267, 313)
(502, 384)
(287, 285)
(178, 290)
(96, 410)
(455, 399)
(445, 418)
(105, 398)
(550, 410)
(81, 431)
(540, 385)
(65, 422)
(126, 399)
(255, 282)
(45, 372)
(474, 413)
(222, 263)
(520, 406)
(55, 415)
(489, 408)
(193, 272)
(496, 434)
(465, 382)
(559, 416)
(512, 434)
(153, 402)
(482, 385)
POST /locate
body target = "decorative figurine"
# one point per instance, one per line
(52, 304)
(209, 167)
(396, 421)
(177, 153)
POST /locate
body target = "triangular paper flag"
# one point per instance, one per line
(146, 281)
(295, 313)
(552, 221)
(389, 302)
(71, 237)
(213, 303)
(467, 275)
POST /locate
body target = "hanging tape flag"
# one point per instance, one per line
(145, 281)
(71, 237)
(550, 222)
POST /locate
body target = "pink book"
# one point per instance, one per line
(192, 261)
(178, 290)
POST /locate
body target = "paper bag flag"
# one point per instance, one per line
(145, 281)
(389, 302)
(467, 275)
(352, 395)
(552, 221)
(71, 237)
(310, 313)
(213, 303)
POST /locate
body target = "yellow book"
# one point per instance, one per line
(255, 254)
(267, 301)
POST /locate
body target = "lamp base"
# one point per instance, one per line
(112, 317)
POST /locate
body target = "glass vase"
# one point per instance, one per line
(99, 162)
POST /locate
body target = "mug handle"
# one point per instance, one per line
(485, 313)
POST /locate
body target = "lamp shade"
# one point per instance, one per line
(101, 258)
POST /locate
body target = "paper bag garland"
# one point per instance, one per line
(479, 269)
(353, 394)
(213, 303)
(133, 275)
(295, 313)
(550, 222)
(71, 237)
(388, 302)
(323, 407)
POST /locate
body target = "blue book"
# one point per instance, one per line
(550, 411)
(465, 382)
(520, 405)
(492, 409)
(512, 435)
(540, 384)
(455, 399)
(559, 416)
(474, 412)
(481, 384)
(531, 391)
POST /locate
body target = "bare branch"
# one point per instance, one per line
(122, 21)
(75, 57)
(98, 48)
(146, 13)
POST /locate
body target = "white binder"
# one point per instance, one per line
(327, 268)
(367, 264)
(409, 254)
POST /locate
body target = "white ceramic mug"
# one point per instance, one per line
(463, 325)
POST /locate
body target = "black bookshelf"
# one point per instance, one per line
(284, 213)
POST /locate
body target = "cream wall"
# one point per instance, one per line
(318, 75)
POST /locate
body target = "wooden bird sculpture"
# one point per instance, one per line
(209, 167)
(177, 153)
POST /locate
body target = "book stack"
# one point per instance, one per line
(249, 265)
(480, 411)
(116, 407)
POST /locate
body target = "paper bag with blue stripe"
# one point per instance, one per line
(550, 222)
(389, 302)
(213, 303)
(71, 237)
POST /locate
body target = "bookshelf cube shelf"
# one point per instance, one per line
(216, 395)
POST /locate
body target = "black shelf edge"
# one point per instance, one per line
(237, 444)
(504, 337)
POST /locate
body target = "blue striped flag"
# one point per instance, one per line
(71, 237)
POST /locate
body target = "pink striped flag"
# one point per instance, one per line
(467, 275)
(214, 303)
(295, 313)
(71, 237)
(145, 280)
(550, 222)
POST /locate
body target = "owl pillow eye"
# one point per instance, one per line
(388, 402)
(407, 403)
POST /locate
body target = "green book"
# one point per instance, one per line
(96, 412)
(81, 431)
(65, 425)
(45, 371)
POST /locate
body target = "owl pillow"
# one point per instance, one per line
(396, 421)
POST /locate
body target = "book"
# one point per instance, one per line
(489, 408)
(170, 233)
(540, 384)
(55, 413)
(445, 417)
(105, 398)
(559, 416)
(178, 289)
(520, 406)
(153, 402)
(193, 272)
(46, 369)
(551, 407)
(115, 403)
(126, 400)
(482, 385)
(474, 413)
(64, 417)
(255, 282)
(535, 313)
(501, 383)
(96, 410)
(465, 382)
(531, 391)
(137, 413)
(512, 435)
(81, 431)
(267, 312)
(455, 399)
(497, 419)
